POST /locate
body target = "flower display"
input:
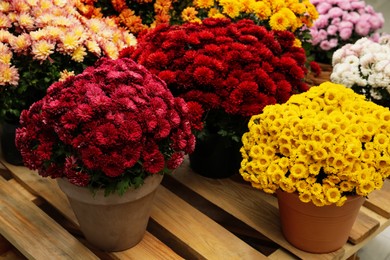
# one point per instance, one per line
(274, 15)
(339, 23)
(365, 67)
(226, 71)
(109, 127)
(44, 41)
(136, 16)
(324, 144)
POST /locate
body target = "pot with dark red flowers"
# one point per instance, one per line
(108, 134)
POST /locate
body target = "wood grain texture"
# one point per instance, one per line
(179, 228)
(255, 208)
(362, 228)
(22, 222)
(48, 189)
(379, 201)
(202, 234)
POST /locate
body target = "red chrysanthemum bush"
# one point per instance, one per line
(226, 71)
(109, 127)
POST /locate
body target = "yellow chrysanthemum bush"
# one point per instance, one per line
(324, 144)
(291, 15)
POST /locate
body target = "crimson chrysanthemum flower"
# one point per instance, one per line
(230, 68)
(108, 127)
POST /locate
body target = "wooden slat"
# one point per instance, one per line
(198, 231)
(363, 227)
(22, 222)
(247, 204)
(379, 201)
(48, 189)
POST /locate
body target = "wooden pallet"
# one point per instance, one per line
(192, 218)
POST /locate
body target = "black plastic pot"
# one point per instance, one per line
(215, 157)
(8, 147)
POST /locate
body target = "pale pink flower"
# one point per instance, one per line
(358, 5)
(376, 22)
(362, 28)
(332, 29)
(42, 49)
(325, 45)
(345, 33)
(4, 21)
(345, 24)
(8, 75)
(323, 7)
(21, 43)
(335, 12)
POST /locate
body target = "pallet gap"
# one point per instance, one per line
(173, 242)
(240, 229)
(70, 227)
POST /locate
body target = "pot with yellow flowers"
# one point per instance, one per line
(322, 152)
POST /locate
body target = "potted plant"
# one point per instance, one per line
(42, 42)
(325, 150)
(108, 135)
(339, 23)
(226, 71)
(364, 67)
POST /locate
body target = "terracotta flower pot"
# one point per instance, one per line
(112, 223)
(316, 229)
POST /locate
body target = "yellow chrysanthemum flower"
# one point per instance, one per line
(319, 200)
(381, 141)
(277, 176)
(42, 49)
(316, 189)
(287, 185)
(299, 171)
(332, 195)
(79, 54)
(305, 196)
(204, 3)
(189, 14)
(346, 186)
(65, 74)
(231, 8)
(279, 22)
(365, 187)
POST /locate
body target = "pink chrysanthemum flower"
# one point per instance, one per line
(46, 37)
(9, 75)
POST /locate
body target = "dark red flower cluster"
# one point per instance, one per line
(114, 121)
(238, 68)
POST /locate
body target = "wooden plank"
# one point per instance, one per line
(198, 231)
(22, 222)
(379, 201)
(351, 249)
(247, 204)
(48, 189)
(363, 227)
(23, 192)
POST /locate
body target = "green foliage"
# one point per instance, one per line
(34, 79)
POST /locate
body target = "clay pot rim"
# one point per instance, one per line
(83, 194)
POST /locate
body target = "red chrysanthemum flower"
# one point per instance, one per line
(209, 64)
(115, 122)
